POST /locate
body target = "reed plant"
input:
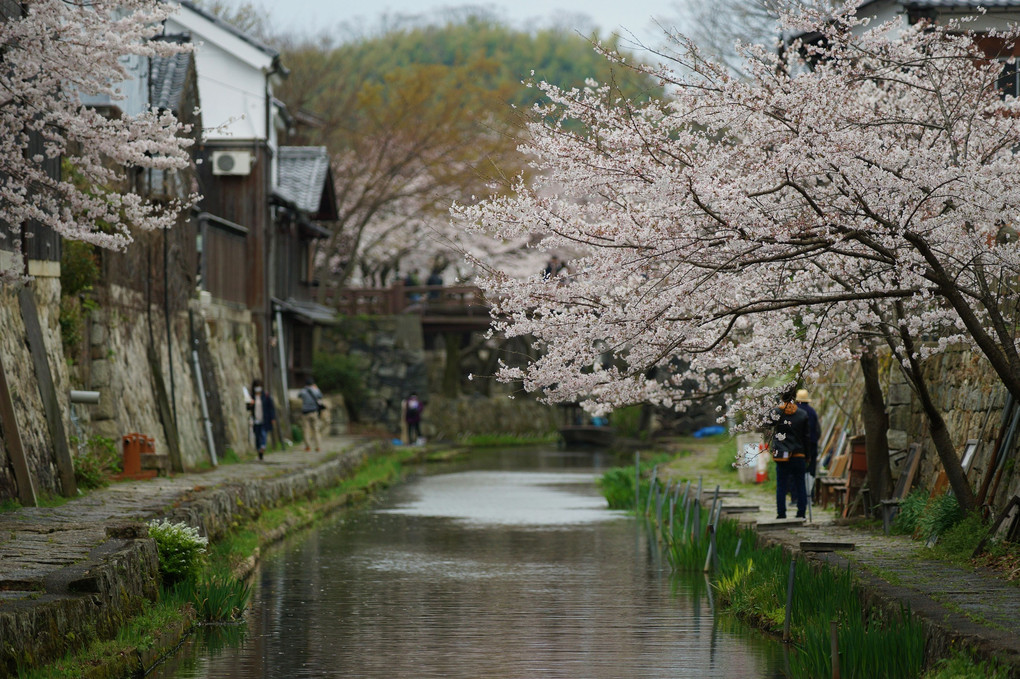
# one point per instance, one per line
(752, 582)
(216, 598)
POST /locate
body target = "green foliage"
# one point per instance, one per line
(962, 666)
(941, 514)
(181, 550)
(617, 485)
(79, 272)
(216, 598)
(97, 463)
(79, 267)
(501, 57)
(911, 508)
(341, 373)
(959, 542)
(71, 322)
(229, 456)
(627, 422)
(726, 453)
(297, 435)
(753, 581)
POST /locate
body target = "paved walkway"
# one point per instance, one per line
(36, 542)
(974, 606)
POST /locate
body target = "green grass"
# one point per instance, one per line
(494, 440)
(726, 454)
(139, 633)
(963, 666)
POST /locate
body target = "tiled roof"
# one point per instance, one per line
(230, 28)
(303, 172)
(951, 4)
(169, 75)
(966, 4)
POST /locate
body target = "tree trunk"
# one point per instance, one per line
(876, 428)
(451, 375)
(937, 427)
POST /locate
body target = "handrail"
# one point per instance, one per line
(464, 300)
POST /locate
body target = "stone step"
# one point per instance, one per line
(780, 524)
(821, 546)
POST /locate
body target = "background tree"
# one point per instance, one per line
(762, 229)
(53, 53)
(418, 117)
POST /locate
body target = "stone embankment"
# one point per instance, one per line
(78, 571)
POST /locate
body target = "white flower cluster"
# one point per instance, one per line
(743, 235)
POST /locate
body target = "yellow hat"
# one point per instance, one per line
(803, 396)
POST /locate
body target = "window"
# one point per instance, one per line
(1008, 81)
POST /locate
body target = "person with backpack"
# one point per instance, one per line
(791, 435)
(311, 406)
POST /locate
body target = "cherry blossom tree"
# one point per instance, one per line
(743, 234)
(52, 53)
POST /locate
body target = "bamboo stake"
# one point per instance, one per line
(789, 600)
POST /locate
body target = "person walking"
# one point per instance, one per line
(263, 415)
(790, 435)
(311, 406)
(804, 403)
(412, 417)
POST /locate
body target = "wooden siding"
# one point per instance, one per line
(40, 242)
(224, 262)
(243, 200)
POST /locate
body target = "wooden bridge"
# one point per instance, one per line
(442, 308)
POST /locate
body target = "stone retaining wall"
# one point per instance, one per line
(93, 598)
(968, 393)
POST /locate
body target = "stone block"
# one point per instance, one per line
(101, 374)
(899, 394)
(899, 418)
(898, 439)
(99, 335)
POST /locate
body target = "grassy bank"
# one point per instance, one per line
(752, 581)
(144, 639)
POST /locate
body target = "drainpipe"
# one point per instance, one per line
(283, 363)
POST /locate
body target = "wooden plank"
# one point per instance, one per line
(12, 441)
(819, 546)
(48, 393)
(163, 405)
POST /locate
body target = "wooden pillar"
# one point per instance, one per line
(12, 442)
(48, 393)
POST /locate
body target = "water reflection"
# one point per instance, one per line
(492, 572)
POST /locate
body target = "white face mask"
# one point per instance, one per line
(258, 390)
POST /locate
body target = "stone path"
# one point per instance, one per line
(972, 606)
(36, 542)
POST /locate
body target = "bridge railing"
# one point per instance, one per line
(451, 300)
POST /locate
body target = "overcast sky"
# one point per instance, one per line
(608, 16)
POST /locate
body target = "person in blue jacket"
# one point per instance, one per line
(804, 402)
(790, 435)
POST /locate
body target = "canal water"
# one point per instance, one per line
(509, 565)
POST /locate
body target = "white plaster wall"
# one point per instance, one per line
(231, 79)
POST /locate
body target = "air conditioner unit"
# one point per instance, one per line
(231, 162)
